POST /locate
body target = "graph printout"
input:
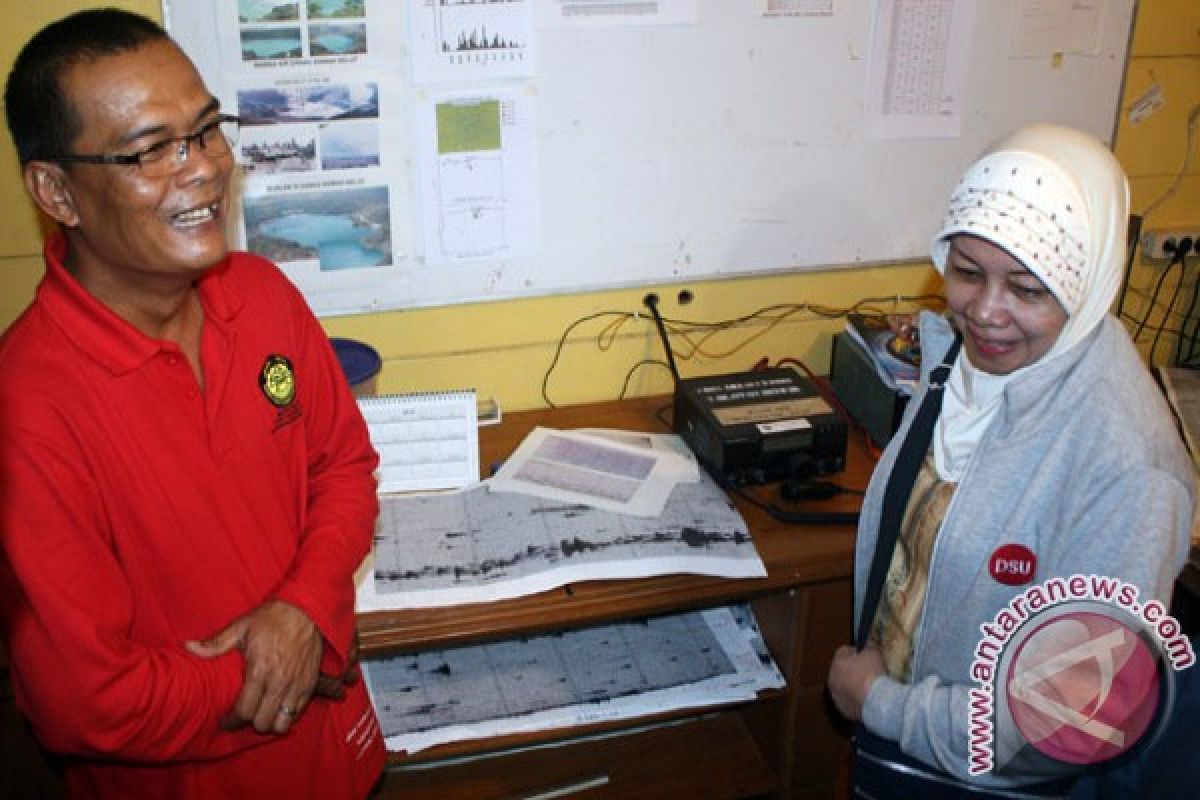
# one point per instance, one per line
(478, 166)
(475, 545)
(598, 471)
(468, 40)
(635, 668)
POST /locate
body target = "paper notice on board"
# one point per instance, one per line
(478, 165)
(917, 68)
(597, 13)
(456, 40)
(322, 187)
(268, 36)
(795, 8)
(318, 199)
(1045, 27)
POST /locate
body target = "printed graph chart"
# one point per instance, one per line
(476, 30)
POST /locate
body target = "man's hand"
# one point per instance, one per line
(333, 687)
(850, 677)
(282, 649)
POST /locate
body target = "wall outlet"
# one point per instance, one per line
(1161, 243)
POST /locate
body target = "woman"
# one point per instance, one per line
(1053, 455)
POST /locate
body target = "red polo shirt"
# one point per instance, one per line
(138, 511)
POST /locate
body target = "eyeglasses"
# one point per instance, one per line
(167, 157)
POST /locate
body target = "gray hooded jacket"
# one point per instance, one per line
(1084, 466)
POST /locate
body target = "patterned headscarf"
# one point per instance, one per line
(1057, 201)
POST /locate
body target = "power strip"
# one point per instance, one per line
(1163, 243)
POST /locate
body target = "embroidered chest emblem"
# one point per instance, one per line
(278, 381)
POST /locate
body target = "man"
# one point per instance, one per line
(185, 481)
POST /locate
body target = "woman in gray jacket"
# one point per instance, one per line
(981, 668)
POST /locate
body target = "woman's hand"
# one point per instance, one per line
(850, 677)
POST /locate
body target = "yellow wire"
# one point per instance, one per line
(698, 347)
(611, 330)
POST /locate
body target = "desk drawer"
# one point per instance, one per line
(712, 756)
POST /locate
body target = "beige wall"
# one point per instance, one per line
(503, 348)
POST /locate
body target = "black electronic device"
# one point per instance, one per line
(860, 390)
(758, 427)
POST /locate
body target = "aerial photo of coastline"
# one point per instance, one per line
(308, 104)
(349, 145)
(342, 229)
(268, 11)
(337, 40)
(264, 43)
(335, 9)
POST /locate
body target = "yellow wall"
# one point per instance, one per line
(20, 234)
(504, 348)
(1166, 52)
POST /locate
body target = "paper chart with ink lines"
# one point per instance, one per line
(620, 671)
(478, 546)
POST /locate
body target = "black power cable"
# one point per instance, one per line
(1181, 254)
(1180, 359)
(651, 302)
(1154, 298)
(797, 517)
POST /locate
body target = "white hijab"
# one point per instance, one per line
(1056, 200)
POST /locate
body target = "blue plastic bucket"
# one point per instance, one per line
(360, 363)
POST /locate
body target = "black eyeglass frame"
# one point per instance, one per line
(183, 145)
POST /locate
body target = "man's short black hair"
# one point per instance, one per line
(41, 118)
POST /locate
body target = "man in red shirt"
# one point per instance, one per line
(186, 485)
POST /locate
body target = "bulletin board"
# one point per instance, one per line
(734, 138)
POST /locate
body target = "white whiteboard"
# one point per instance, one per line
(733, 146)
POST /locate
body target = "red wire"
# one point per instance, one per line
(826, 392)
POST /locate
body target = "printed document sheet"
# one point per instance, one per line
(631, 669)
(599, 471)
(476, 545)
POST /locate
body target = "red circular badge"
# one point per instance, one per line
(1013, 564)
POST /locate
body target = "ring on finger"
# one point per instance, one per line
(287, 711)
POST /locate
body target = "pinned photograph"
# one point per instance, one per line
(349, 145)
(268, 11)
(271, 150)
(335, 9)
(259, 44)
(337, 40)
(341, 229)
(308, 104)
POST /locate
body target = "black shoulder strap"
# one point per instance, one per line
(899, 488)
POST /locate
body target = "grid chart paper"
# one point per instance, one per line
(618, 671)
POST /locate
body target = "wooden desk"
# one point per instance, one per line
(785, 744)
